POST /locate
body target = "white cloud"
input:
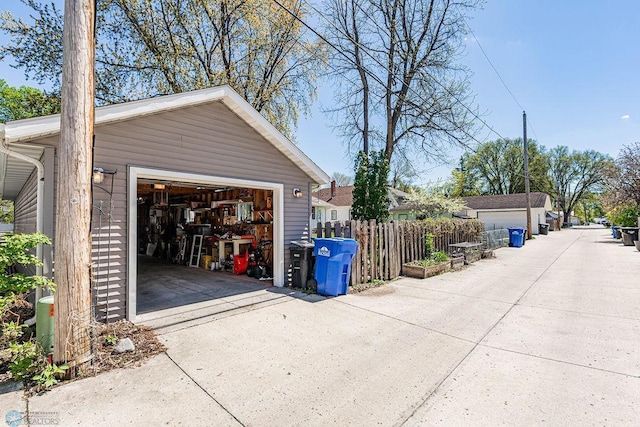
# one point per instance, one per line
(625, 117)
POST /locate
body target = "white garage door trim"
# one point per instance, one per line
(134, 173)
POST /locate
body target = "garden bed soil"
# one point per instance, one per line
(488, 253)
(457, 263)
(472, 256)
(104, 357)
(419, 272)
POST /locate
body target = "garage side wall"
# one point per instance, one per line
(25, 206)
(208, 139)
(495, 219)
(25, 209)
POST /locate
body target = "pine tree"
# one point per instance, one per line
(370, 192)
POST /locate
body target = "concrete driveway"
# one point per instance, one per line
(547, 333)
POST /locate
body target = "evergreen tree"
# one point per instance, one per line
(360, 187)
(370, 192)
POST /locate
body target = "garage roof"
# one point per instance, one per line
(28, 130)
(505, 201)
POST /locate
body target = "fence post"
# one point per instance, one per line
(381, 252)
(338, 227)
(355, 263)
(327, 229)
(373, 252)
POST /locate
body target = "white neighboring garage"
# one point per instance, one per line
(508, 210)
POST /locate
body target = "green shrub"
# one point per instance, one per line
(625, 216)
(26, 359)
(15, 250)
(439, 257)
(433, 259)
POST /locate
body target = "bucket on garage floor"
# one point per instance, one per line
(206, 261)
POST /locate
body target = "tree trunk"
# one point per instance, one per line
(73, 234)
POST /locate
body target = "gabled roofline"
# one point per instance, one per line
(30, 129)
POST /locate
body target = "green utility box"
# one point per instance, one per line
(44, 323)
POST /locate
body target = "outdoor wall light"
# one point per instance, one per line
(98, 175)
(297, 193)
(158, 186)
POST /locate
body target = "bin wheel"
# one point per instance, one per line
(259, 271)
(250, 270)
(312, 285)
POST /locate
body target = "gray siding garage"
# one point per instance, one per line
(208, 139)
(508, 210)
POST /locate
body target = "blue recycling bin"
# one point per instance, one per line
(516, 237)
(333, 264)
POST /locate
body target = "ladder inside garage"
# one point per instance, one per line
(196, 250)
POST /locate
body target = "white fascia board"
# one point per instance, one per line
(501, 210)
(321, 203)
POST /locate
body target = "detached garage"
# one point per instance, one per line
(197, 179)
(508, 210)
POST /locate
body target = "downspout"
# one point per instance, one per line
(4, 148)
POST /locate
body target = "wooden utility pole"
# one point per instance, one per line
(558, 205)
(73, 213)
(526, 173)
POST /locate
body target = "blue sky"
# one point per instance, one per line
(573, 65)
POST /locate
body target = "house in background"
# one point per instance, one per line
(331, 204)
(321, 210)
(334, 203)
(508, 210)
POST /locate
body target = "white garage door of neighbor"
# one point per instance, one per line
(497, 220)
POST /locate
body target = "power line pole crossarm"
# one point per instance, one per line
(526, 173)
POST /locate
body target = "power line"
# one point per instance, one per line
(493, 67)
(484, 53)
(376, 78)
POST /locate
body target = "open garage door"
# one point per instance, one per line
(181, 222)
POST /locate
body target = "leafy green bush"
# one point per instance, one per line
(434, 258)
(439, 257)
(625, 216)
(13, 251)
(429, 246)
(26, 359)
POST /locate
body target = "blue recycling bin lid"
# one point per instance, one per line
(331, 246)
(516, 230)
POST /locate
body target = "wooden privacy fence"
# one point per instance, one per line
(384, 247)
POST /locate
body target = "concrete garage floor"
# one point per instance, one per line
(173, 293)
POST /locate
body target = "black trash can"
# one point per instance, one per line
(544, 229)
(302, 265)
(629, 235)
(617, 232)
